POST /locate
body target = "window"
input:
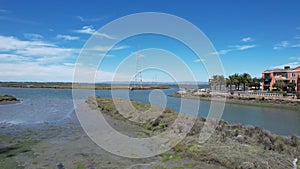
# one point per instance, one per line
(293, 81)
(267, 76)
(284, 75)
(293, 74)
(276, 74)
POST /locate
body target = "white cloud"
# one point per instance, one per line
(292, 65)
(233, 48)
(12, 58)
(8, 43)
(41, 61)
(247, 39)
(33, 36)
(31, 71)
(222, 52)
(82, 19)
(106, 48)
(244, 47)
(199, 60)
(281, 45)
(67, 37)
(91, 31)
(37, 51)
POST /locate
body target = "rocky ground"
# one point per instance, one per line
(65, 145)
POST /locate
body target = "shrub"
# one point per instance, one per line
(298, 95)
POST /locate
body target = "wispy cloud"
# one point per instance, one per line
(82, 19)
(91, 31)
(36, 50)
(199, 60)
(33, 36)
(296, 46)
(8, 43)
(12, 58)
(106, 48)
(234, 48)
(243, 47)
(222, 52)
(281, 45)
(67, 37)
(294, 58)
(291, 64)
(298, 28)
(247, 39)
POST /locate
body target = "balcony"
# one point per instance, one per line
(267, 80)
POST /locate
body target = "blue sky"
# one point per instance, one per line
(41, 40)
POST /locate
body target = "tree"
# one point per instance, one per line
(217, 80)
(245, 79)
(236, 80)
(255, 83)
(291, 86)
(280, 85)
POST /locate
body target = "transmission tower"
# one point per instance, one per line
(138, 74)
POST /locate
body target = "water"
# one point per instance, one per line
(53, 105)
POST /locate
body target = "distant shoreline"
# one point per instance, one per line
(270, 103)
(61, 85)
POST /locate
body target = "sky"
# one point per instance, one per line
(41, 40)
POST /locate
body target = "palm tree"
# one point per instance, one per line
(245, 79)
(236, 79)
(255, 83)
(291, 86)
(217, 80)
(231, 81)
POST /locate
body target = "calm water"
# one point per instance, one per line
(51, 105)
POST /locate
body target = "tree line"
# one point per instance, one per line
(245, 80)
(236, 80)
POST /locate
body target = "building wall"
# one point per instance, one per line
(268, 82)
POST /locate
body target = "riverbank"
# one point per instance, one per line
(65, 144)
(230, 146)
(259, 101)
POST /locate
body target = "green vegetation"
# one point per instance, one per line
(7, 153)
(245, 79)
(167, 156)
(79, 167)
(298, 95)
(8, 98)
(191, 164)
(230, 146)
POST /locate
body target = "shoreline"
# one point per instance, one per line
(50, 145)
(269, 103)
(104, 87)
